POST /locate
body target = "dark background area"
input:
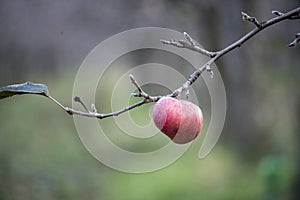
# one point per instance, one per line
(257, 156)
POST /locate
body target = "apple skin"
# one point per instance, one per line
(180, 120)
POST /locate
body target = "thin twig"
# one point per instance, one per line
(95, 114)
(77, 99)
(253, 20)
(141, 92)
(240, 42)
(295, 41)
(189, 43)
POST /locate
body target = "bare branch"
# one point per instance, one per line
(94, 113)
(188, 43)
(194, 76)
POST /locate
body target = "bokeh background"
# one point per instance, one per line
(41, 156)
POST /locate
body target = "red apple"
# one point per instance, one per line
(180, 120)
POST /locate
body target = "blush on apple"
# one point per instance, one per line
(180, 120)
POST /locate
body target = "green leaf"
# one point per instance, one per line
(24, 88)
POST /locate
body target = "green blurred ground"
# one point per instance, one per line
(41, 157)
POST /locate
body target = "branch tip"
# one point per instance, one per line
(185, 88)
(189, 38)
(134, 82)
(93, 108)
(131, 78)
(276, 12)
(163, 41)
(77, 99)
(295, 42)
(253, 20)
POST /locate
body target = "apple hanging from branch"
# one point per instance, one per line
(180, 120)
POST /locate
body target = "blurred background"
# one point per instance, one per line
(257, 155)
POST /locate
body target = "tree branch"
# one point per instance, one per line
(190, 44)
(194, 76)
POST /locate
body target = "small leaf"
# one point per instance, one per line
(24, 88)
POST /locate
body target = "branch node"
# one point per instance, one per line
(253, 20)
(176, 92)
(210, 71)
(93, 108)
(185, 88)
(182, 42)
(68, 110)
